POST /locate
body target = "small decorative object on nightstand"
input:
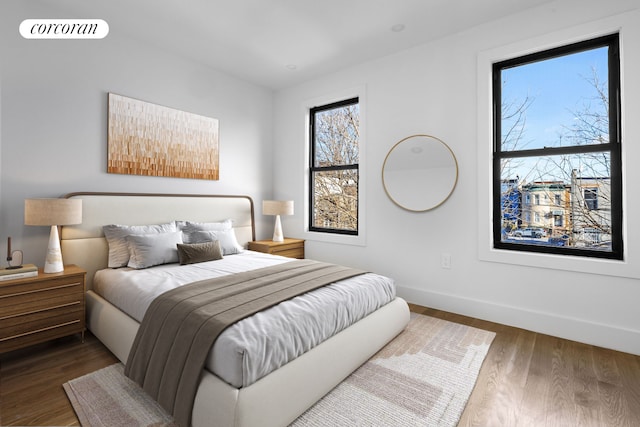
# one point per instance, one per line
(292, 248)
(14, 258)
(41, 308)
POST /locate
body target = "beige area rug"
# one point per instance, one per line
(423, 377)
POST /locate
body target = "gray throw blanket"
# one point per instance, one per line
(180, 326)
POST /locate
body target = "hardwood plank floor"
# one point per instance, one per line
(31, 379)
(527, 379)
(531, 379)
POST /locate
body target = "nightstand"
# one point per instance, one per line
(41, 308)
(292, 248)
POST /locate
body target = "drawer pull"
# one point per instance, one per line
(39, 330)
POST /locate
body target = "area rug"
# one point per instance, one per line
(423, 377)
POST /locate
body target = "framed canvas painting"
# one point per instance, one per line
(152, 140)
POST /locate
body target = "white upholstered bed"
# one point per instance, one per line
(274, 400)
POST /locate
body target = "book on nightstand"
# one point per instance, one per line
(26, 270)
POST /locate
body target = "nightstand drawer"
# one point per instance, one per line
(293, 251)
(33, 286)
(23, 324)
(37, 336)
(28, 300)
(292, 248)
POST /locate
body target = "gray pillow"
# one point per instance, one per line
(227, 239)
(189, 227)
(147, 250)
(116, 238)
(192, 253)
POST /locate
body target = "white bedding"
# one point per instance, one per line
(257, 345)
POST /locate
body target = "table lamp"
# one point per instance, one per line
(277, 208)
(53, 212)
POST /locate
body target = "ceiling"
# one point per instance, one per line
(280, 43)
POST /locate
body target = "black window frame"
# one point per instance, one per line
(613, 147)
(313, 169)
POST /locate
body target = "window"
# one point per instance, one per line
(333, 167)
(556, 134)
(557, 220)
(591, 198)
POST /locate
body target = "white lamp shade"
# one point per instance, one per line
(52, 211)
(277, 207)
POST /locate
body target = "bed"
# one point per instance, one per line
(273, 400)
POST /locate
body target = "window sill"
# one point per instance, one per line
(343, 239)
(601, 266)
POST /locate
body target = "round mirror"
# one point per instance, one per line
(419, 173)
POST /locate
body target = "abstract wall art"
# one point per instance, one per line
(152, 140)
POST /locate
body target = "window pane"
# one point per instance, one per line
(557, 156)
(336, 135)
(335, 196)
(557, 201)
(556, 102)
(556, 168)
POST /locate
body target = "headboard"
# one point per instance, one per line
(84, 244)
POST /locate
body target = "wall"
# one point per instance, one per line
(53, 105)
(54, 120)
(434, 89)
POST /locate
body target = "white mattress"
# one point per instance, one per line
(260, 344)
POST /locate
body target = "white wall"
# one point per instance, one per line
(53, 127)
(433, 89)
(54, 120)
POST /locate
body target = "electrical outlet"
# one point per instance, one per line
(445, 260)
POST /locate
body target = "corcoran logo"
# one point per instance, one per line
(64, 29)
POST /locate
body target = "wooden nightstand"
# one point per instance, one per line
(41, 308)
(292, 248)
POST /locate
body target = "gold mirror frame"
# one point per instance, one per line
(414, 166)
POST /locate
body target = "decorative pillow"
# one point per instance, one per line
(227, 239)
(189, 227)
(192, 253)
(116, 238)
(147, 250)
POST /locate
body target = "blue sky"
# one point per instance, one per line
(559, 87)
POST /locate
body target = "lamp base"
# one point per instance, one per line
(53, 261)
(277, 231)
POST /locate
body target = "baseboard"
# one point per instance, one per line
(581, 330)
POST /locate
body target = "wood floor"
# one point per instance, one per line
(531, 379)
(527, 379)
(31, 380)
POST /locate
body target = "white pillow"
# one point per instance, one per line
(116, 238)
(227, 239)
(147, 250)
(189, 227)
